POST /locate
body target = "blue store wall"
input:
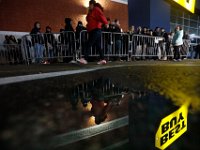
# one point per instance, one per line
(160, 14)
(150, 13)
(139, 11)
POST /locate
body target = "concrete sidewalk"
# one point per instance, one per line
(16, 70)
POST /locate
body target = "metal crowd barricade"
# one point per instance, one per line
(148, 47)
(63, 47)
(10, 54)
(185, 48)
(113, 45)
(53, 47)
(107, 89)
(129, 46)
(83, 38)
(120, 45)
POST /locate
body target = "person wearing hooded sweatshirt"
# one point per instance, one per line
(50, 43)
(95, 19)
(69, 39)
(38, 42)
(69, 31)
(68, 25)
(177, 42)
(82, 37)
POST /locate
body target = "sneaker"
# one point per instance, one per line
(174, 60)
(102, 62)
(82, 61)
(165, 58)
(73, 62)
(46, 63)
(179, 59)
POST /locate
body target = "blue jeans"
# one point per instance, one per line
(109, 49)
(39, 50)
(118, 47)
(94, 39)
(50, 53)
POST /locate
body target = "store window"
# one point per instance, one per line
(189, 22)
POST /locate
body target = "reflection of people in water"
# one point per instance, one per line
(74, 98)
(95, 89)
(79, 93)
(99, 110)
(101, 93)
(104, 96)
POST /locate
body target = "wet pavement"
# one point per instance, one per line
(34, 112)
(16, 70)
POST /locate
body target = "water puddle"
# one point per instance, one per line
(100, 110)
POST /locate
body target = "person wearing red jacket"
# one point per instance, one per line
(95, 19)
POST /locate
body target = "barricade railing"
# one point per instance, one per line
(107, 89)
(10, 54)
(65, 46)
(59, 47)
(144, 47)
(116, 46)
(148, 46)
(113, 45)
(185, 49)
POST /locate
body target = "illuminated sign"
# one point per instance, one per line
(171, 128)
(188, 4)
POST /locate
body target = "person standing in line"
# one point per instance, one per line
(50, 43)
(38, 42)
(139, 30)
(118, 38)
(107, 38)
(95, 19)
(81, 38)
(79, 29)
(157, 31)
(177, 42)
(68, 25)
(164, 44)
(69, 40)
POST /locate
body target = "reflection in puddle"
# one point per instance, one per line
(99, 97)
(91, 121)
(182, 87)
(39, 110)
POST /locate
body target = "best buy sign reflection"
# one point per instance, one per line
(171, 128)
(188, 4)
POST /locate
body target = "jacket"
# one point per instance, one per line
(117, 36)
(36, 36)
(95, 19)
(178, 38)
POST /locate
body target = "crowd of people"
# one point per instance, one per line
(102, 94)
(96, 23)
(47, 48)
(13, 49)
